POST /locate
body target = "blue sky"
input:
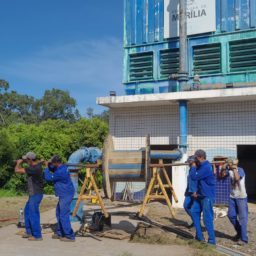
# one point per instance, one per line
(71, 45)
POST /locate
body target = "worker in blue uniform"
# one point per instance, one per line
(58, 173)
(191, 189)
(238, 205)
(205, 197)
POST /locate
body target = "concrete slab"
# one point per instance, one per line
(201, 96)
(13, 245)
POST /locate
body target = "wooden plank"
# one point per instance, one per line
(127, 160)
(126, 154)
(126, 166)
(127, 172)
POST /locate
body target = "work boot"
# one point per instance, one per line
(64, 239)
(56, 236)
(32, 238)
(236, 238)
(190, 226)
(242, 243)
(25, 235)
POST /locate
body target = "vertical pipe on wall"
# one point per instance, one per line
(183, 111)
(183, 68)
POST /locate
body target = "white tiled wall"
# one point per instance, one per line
(129, 126)
(215, 127)
(219, 128)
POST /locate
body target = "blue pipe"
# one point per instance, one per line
(183, 109)
(82, 155)
(166, 154)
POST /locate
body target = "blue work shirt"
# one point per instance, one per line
(206, 179)
(63, 185)
(191, 184)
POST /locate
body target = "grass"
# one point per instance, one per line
(8, 193)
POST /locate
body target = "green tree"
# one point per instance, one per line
(57, 104)
(4, 85)
(7, 155)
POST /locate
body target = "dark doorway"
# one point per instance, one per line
(247, 160)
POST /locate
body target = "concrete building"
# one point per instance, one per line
(216, 111)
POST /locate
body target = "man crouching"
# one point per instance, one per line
(58, 173)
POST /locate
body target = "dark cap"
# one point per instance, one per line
(191, 159)
(56, 159)
(200, 153)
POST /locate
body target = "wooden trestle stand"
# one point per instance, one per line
(90, 191)
(155, 184)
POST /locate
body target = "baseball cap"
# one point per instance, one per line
(232, 160)
(191, 159)
(56, 159)
(29, 156)
(200, 153)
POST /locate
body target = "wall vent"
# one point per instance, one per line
(141, 67)
(207, 59)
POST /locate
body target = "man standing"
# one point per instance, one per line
(34, 173)
(191, 188)
(206, 195)
(238, 206)
(58, 173)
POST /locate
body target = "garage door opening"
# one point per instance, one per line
(247, 160)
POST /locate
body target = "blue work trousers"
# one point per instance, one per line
(64, 228)
(203, 205)
(238, 216)
(188, 202)
(32, 216)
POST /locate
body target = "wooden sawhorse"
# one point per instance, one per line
(156, 183)
(88, 186)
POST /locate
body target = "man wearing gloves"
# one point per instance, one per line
(58, 173)
(206, 195)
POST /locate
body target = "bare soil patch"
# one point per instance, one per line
(9, 208)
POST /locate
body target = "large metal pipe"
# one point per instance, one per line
(183, 106)
(183, 72)
(183, 64)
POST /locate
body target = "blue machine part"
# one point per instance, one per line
(80, 211)
(95, 155)
(166, 154)
(79, 156)
(82, 155)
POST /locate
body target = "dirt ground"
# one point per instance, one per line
(123, 218)
(9, 208)
(223, 228)
(12, 245)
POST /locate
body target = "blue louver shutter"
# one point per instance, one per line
(169, 62)
(242, 55)
(141, 67)
(207, 59)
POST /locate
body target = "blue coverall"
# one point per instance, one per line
(238, 213)
(32, 216)
(204, 203)
(191, 188)
(64, 189)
